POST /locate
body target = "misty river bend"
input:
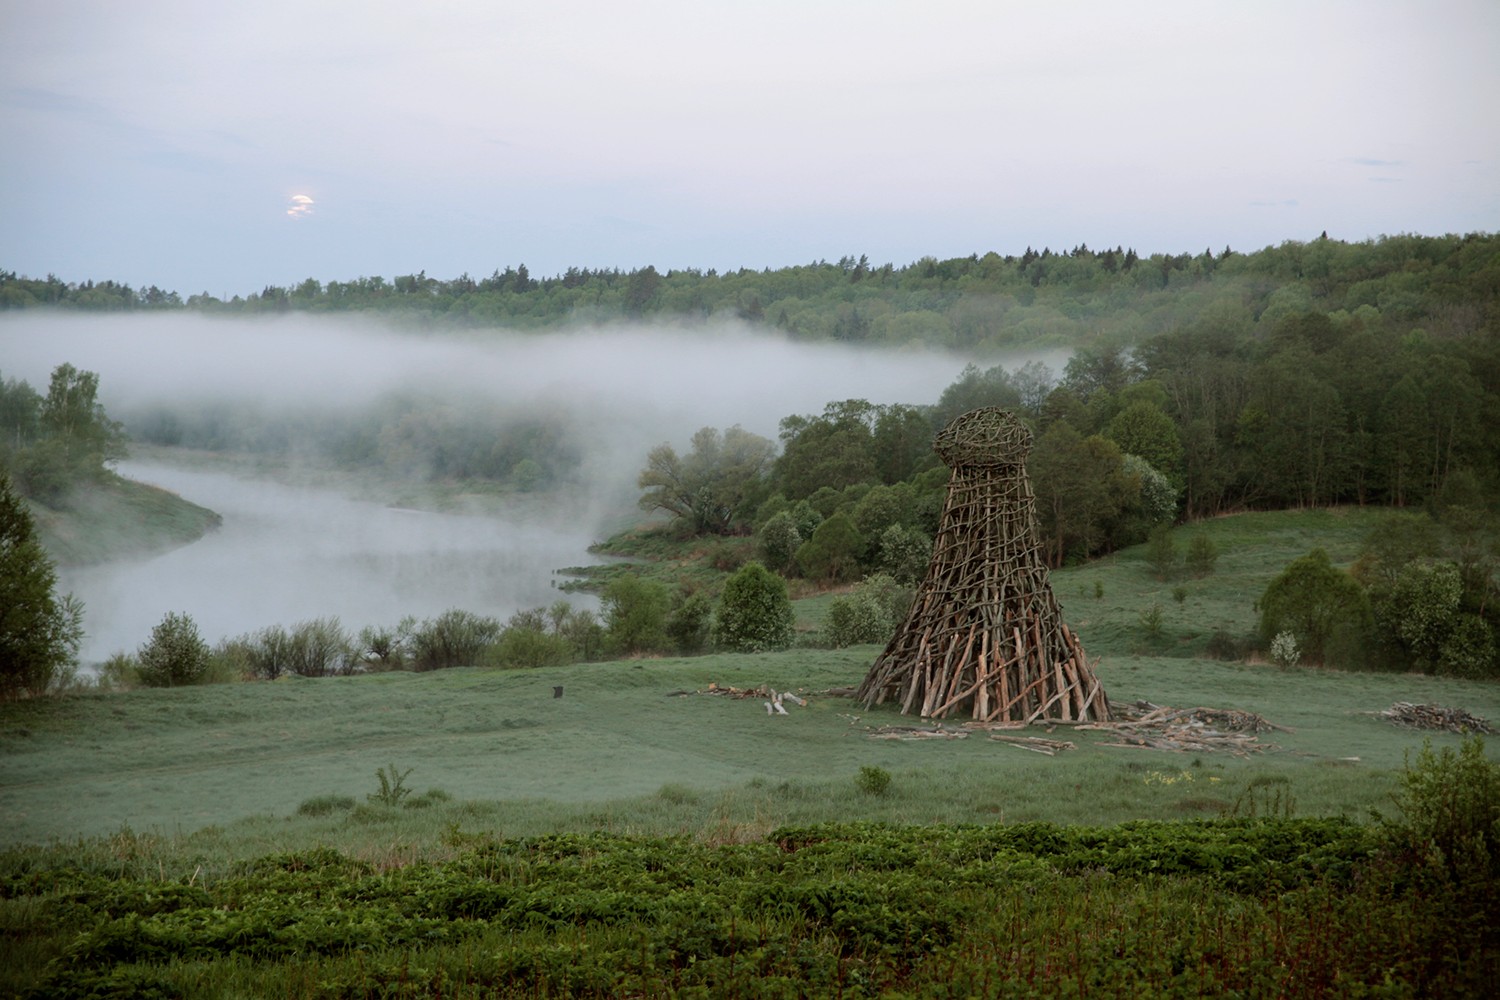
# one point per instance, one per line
(287, 554)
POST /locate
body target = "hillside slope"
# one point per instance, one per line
(119, 518)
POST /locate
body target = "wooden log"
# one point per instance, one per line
(1004, 685)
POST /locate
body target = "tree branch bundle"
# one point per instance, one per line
(1454, 720)
(1184, 730)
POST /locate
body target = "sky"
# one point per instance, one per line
(220, 148)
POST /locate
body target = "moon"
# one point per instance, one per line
(299, 206)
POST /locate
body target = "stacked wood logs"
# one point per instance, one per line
(1453, 720)
(985, 636)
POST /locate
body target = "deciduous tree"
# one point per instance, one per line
(39, 631)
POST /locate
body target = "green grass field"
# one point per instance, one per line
(619, 751)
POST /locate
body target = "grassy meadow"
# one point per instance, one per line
(467, 833)
(622, 751)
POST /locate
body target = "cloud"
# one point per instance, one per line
(299, 206)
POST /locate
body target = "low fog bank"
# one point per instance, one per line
(571, 414)
(624, 387)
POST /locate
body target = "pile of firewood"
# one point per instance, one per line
(1187, 730)
(1454, 720)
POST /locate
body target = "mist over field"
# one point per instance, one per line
(301, 393)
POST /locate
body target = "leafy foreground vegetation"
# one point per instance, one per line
(1269, 907)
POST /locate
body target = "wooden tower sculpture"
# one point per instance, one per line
(985, 636)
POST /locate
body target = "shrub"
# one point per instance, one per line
(1284, 651)
(1322, 606)
(1420, 612)
(1161, 553)
(454, 638)
(873, 780)
(1202, 555)
(689, 624)
(779, 541)
(321, 648)
(635, 615)
(322, 805)
(854, 619)
(521, 647)
(382, 646)
(832, 553)
(118, 673)
(392, 786)
(1151, 621)
(905, 553)
(871, 613)
(39, 632)
(1450, 805)
(1224, 646)
(174, 655)
(754, 612)
(266, 654)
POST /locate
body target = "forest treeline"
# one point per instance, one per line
(1446, 285)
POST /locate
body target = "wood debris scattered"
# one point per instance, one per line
(774, 701)
(1453, 720)
(1187, 730)
(1036, 744)
(938, 732)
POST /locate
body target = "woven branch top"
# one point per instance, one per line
(986, 436)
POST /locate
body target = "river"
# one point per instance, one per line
(289, 553)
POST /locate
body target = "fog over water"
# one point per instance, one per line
(287, 552)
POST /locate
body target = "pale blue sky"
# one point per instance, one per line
(163, 141)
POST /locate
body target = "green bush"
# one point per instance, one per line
(779, 541)
(1323, 607)
(635, 615)
(870, 613)
(690, 624)
(832, 553)
(873, 780)
(39, 631)
(854, 619)
(174, 655)
(321, 648)
(905, 553)
(1450, 808)
(523, 648)
(455, 638)
(1202, 555)
(1162, 554)
(392, 786)
(119, 672)
(382, 647)
(323, 805)
(754, 612)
